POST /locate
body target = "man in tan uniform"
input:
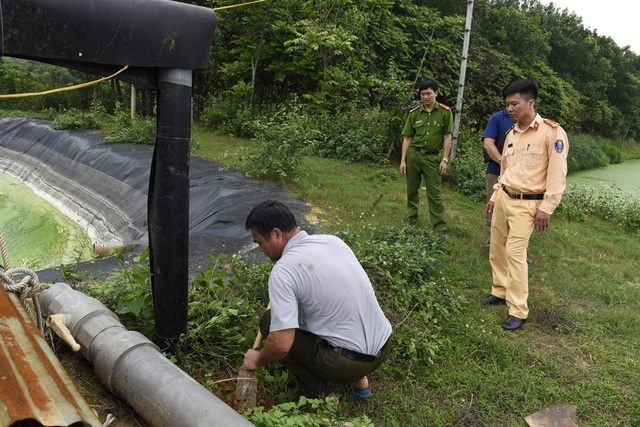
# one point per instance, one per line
(532, 179)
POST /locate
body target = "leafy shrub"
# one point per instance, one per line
(136, 130)
(15, 78)
(469, 168)
(76, 119)
(282, 142)
(630, 149)
(362, 134)
(224, 304)
(585, 152)
(611, 150)
(305, 413)
(401, 263)
(127, 292)
(570, 211)
(229, 117)
(232, 113)
(355, 136)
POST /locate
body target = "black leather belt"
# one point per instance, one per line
(353, 355)
(522, 196)
(421, 151)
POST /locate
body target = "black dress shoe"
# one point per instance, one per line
(492, 300)
(513, 323)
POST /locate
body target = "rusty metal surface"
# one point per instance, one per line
(33, 383)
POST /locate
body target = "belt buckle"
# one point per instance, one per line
(517, 196)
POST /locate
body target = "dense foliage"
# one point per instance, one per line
(356, 55)
(351, 66)
(225, 299)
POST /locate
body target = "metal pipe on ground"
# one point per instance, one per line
(103, 249)
(133, 368)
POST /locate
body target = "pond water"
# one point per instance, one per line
(36, 234)
(624, 176)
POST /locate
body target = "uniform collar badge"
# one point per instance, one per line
(535, 125)
(559, 146)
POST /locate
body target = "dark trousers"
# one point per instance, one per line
(318, 366)
(419, 167)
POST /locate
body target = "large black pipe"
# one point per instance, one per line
(141, 33)
(168, 208)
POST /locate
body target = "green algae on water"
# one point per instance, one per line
(36, 234)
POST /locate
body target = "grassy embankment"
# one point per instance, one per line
(580, 345)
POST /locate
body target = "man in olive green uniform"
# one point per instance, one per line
(533, 178)
(425, 154)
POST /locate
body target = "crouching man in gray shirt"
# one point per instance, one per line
(325, 324)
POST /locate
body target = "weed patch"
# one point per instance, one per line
(551, 318)
(76, 119)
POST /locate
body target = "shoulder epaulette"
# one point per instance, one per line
(551, 123)
(414, 109)
(446, 107)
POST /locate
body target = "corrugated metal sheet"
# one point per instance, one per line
(33, 383)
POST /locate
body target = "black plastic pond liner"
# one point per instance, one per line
(107, 185)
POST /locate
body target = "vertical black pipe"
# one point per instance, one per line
(168, 210)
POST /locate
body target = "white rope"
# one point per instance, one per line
(26, 288)
(5, 253)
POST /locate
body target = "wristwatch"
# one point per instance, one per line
(444, 159)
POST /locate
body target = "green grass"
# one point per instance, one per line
(580, 345)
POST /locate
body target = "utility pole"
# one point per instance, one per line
(463, 72)
(133, 102)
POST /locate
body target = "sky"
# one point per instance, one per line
(617, 19)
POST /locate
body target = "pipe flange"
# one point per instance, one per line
(110, 355)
